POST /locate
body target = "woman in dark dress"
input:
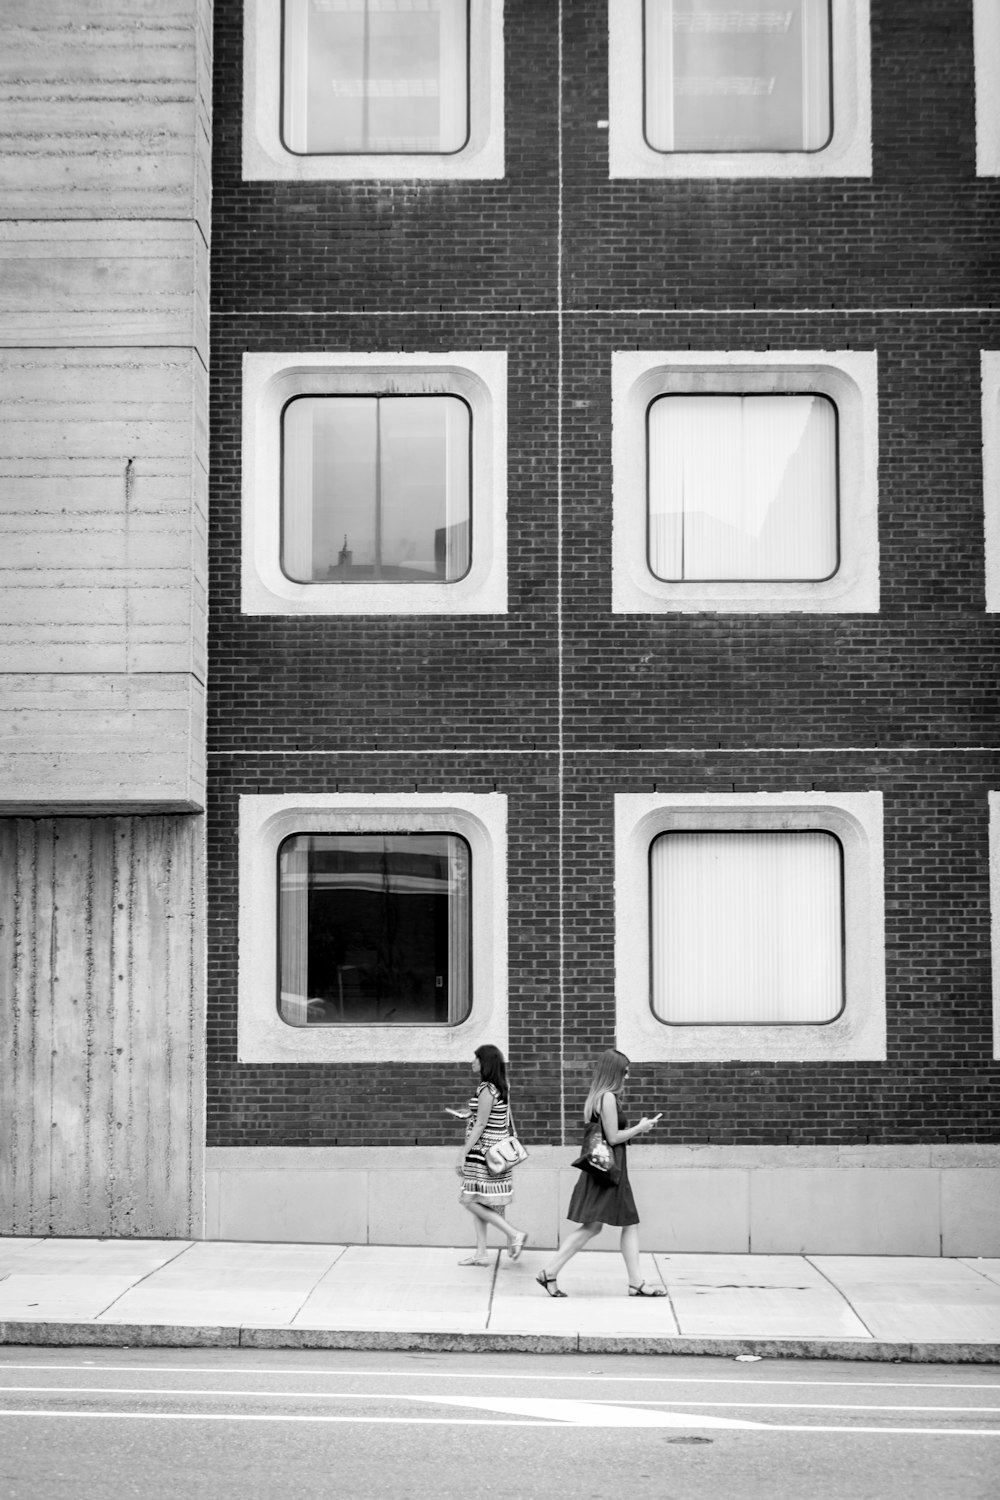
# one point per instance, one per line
(595, 1202)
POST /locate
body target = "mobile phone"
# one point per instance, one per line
(460, 1114)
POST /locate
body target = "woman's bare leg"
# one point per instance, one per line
(485, 1216)
(630, 1253)
(571, 1244)
(479, 1255)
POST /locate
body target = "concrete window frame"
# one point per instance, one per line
(990, 376)
(994, 808)
(855, 818)
(986, 45)
(270, 381)
(265, 157)
(848, 377)
(849, 153)
(265, 821)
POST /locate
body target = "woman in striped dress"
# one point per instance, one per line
(484, 1195)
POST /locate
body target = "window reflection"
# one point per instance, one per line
(375, 76)
(376, 489)
(738, 75)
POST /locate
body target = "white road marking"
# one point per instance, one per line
(241, 1393)
(98, 1366)
(551, 1426)
(588, 1413)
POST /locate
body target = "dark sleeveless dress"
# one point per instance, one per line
(594, 1201)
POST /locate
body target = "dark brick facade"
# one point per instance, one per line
(903, 701)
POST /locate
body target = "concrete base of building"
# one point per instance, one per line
(771, 1200)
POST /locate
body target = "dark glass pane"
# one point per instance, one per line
(374, 929)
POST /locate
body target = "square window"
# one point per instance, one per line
(374, 484)
(990, 375)
(375, 76)
(742, 487)
(739, 88)
(749, 926)
(747, 929)
(986, 40)
(745, 77)
(376, 90)
(994, 814)
(372, 928)
(745, 482)
(376, 489)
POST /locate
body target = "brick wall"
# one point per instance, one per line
(561, 704)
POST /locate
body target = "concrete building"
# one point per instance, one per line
(604, 455)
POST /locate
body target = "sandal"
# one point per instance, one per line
(548, 1284)
(642, 1290)
(473, 1260)
(517, 1244)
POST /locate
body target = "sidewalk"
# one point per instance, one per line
(184, 1293)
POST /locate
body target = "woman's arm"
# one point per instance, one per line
(609, 1120)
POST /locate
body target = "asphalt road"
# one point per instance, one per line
(173, 1424)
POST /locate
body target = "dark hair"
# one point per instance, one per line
(493, 1068)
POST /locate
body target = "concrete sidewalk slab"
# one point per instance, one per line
(383, 1288)
(234, 1294)
(217, 1283)
(983, 1266)
(775, 1296)
(596, 1301)
(75, 1279)
(901, 1298)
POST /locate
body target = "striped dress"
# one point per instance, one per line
(477, 1177)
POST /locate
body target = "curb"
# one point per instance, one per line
(192, 1336)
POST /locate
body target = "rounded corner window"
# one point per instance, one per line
(376, 489)
(746, 927)
(374, 929)
(374, 78)
(742, 487)
(737, 79)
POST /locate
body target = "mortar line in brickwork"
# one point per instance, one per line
(986, 309)
(560, 706)
(561, 751)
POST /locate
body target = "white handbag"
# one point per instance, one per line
(506, 1153)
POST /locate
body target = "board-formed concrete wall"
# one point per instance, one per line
(104, 226)
(101, 1071)
(104, 229)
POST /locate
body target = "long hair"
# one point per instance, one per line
(609, 1073)
(493, 1068)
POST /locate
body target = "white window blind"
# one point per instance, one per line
(376, 489)
(746, 928)
(742, 487)
(375, 76)
(737, 75)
